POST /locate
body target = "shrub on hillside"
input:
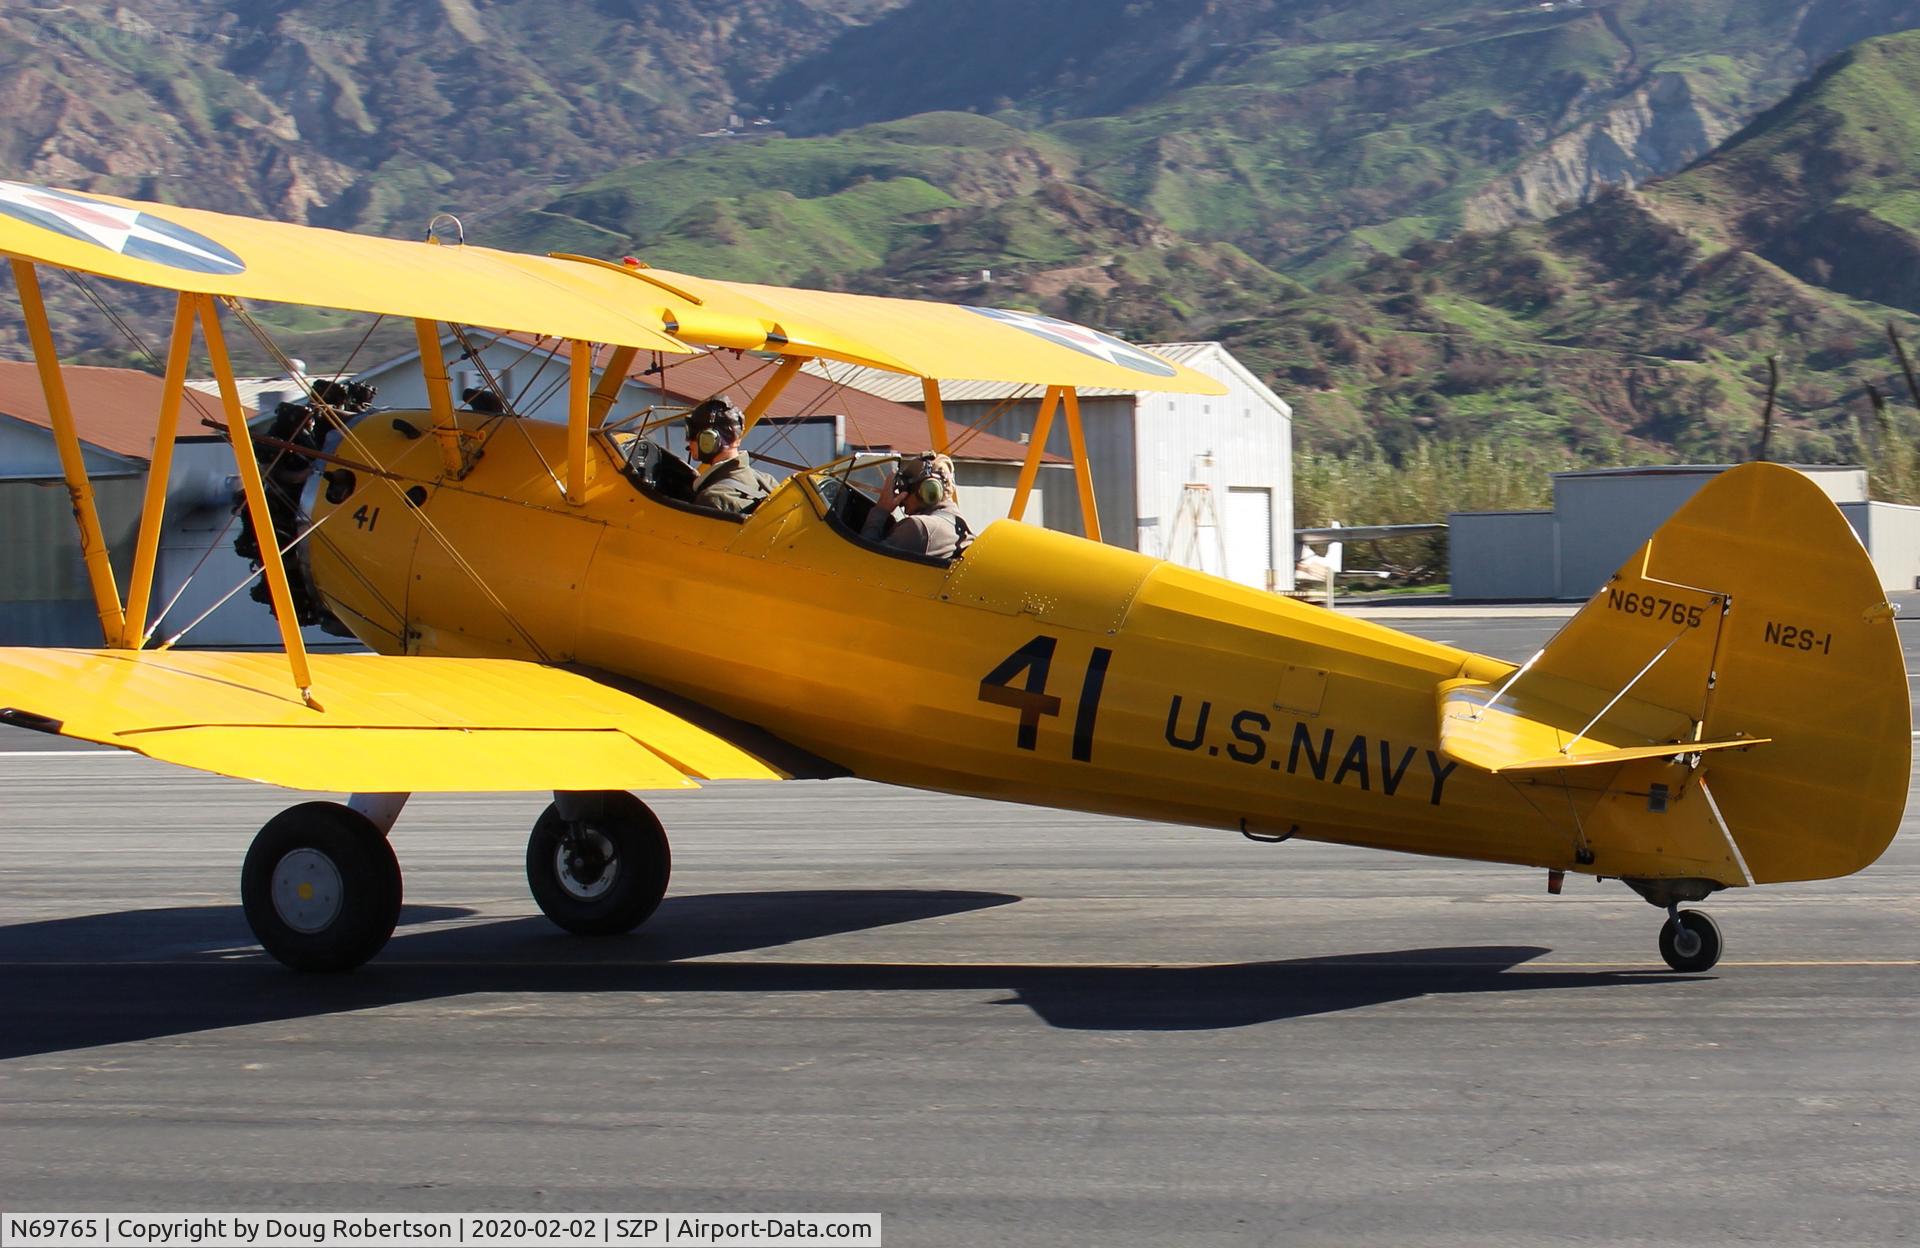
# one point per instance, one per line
(1470, 373)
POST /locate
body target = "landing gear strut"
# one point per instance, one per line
(321, 887)
(598, 863)
(1690, 940)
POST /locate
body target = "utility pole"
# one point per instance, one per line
(1906, 365)
(1766, 420)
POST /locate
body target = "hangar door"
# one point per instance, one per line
(1249, 523)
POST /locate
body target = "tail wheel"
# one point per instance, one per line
(1690, 941)
(603, 874)
(321, 887)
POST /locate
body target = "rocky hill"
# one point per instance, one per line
(377, 113)
(1360, 195)
(368, 114)
(1306, 129)
(1642, 322)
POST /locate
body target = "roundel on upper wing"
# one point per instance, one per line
(1080, 338)
(127, 231)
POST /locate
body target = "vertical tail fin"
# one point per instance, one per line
(1753, 613)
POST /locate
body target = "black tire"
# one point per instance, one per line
(606, 874)
(305, 917)
(1690, 941)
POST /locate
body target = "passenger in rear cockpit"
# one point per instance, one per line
(728, 481)
(923, 486)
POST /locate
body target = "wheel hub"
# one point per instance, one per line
(306, 891)
(1686, 941)
(586, 864)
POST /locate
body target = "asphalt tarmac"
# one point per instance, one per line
(994, 1025)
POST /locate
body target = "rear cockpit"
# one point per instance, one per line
(842, 494)
(847, 492)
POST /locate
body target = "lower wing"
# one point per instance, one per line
(389, 724)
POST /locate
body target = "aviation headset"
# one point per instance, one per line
(713, 425)
(927, 476)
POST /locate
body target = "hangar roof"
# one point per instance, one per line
(904, 389)
(1661, 470)
(114, 409)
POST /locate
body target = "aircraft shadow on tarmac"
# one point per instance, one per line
(105, 979)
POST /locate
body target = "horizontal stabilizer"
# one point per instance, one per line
(1519, 732)
(384, 724)
(1631, 754)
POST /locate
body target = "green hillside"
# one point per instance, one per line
(1312, 134)
(1363, 198)
(922, 206)
(1636, 326)
(1643, 321)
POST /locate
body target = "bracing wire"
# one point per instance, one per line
(252, 576)
(1001, 408)
(316, 404)
(197, 400)
(426, 523)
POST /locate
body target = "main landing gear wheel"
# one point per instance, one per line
(1690, 941)
(602, 872)
(321, 887)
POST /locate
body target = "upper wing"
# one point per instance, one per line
(388, 724)
(565, 297)
(941, 340)
(219, 254)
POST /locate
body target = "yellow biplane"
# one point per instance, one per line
(545, 617)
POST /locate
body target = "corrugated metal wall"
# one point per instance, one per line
(1602, 516)
(1891, 533)
(1502, 555)
(986, 491)
(44, 595)
(1110, 446)
(1146, 450)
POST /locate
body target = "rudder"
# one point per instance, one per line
(1762, 617)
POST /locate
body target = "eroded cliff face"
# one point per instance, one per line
(1669, 118)
(372, 113)
(135, 102)
(1660, 128)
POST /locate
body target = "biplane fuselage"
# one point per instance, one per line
(1039, 668)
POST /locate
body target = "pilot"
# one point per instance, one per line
(728, 481)
(923, 485)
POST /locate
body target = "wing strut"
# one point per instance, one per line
(256, 493)
(1082, 469)
(73, 462)
(771, 390)
(433, 371)
(146, 551)
(1036, 451)
(612, 377)
(936, 416)
(579, 408)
